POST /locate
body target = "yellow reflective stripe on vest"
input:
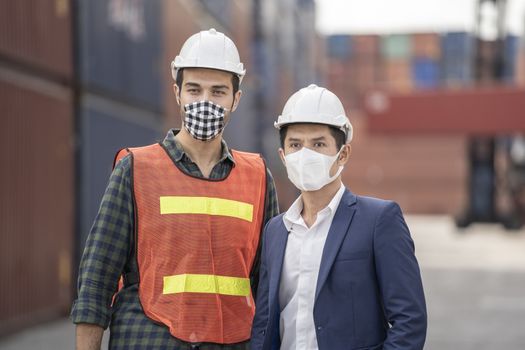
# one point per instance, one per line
(206, 284)
(206, 205)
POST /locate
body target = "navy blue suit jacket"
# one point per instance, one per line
(369, 293)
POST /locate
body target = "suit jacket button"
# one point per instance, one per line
(263, 332)
(319, 328)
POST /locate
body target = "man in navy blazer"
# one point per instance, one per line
(338, 271)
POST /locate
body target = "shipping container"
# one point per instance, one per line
(457, 50)
(365, 45)
(37, 208)
(397, 75)
(427, 45)
(396, 46)
(458, 44)
(520, 68)
(339, 46)
(305, 41)
(424, 174)
(37, 34)
(121, 50)
(367, 71)
(178, 24)
(511, 51)
(106, 127)
(220, 10)
(425, 73)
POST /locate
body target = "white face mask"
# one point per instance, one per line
(309, 170)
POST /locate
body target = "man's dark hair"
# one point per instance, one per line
(339, 135)
(235, 81)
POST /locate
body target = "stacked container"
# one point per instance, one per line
(426, 55)
(396, 52)
(37, 204)
(520, 63)
(121, 100)
(457, 50)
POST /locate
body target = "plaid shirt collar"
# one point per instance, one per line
(178, 154)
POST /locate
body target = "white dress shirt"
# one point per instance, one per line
(302, 260)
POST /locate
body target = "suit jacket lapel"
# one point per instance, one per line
(342, 218)
(276, 258)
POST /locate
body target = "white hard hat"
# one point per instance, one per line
(314, 104)
(209, 49)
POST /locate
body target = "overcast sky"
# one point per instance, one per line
(402, 16)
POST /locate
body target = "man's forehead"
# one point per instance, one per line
(205, 76)
(307, 130)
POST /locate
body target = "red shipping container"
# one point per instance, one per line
(37, 208)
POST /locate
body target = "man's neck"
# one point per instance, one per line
(204, 154)
(315, 201)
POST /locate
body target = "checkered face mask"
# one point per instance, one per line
(204, 120)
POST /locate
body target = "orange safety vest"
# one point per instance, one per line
(196, 244)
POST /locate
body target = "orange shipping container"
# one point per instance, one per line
(426, 45)
(397, 75)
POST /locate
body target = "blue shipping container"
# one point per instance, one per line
(457, 44)
(106, 127)
(425, 73)
(120, 50)
(339, 46)
(511, 48)
(457, 55)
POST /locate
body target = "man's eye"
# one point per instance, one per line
(319, 144)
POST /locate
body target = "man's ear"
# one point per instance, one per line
(236, 99)
(344, 155)
(281, 155)
(176, 91)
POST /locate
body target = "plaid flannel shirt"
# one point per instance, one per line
(109, 252)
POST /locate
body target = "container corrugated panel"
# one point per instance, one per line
(339, 46)
(121, 50)
(396, 46)
(425, 72)
(305, 40)
(38, 34)
(457, 50)
(220, 10)
(366, 72)
(457, 43)
(366, 45)
(106, 127)
(511, 47)
(426, 175)
(520, 69)
(426, 45)
(37, 206)
(397, 75)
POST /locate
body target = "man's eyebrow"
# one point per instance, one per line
(226, 87)
(320, 138)
(293, 139)
(190, 84)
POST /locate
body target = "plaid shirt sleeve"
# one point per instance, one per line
(106, 251)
